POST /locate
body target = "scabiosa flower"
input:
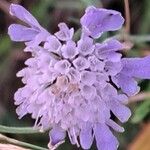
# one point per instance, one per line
(73, 87)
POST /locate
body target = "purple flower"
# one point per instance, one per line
(69, 86)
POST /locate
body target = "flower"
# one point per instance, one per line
(70, 87)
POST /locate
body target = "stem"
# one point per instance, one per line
(11, 147)
(141, 38)
(127, 16)
(4, 139)
(140, 97)
(18, 130)
(134, 38)
(4, 6)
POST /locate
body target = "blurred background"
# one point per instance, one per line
(49, 13)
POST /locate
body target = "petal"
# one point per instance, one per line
(69, 50)
(21, 73)
(21, 110)
(88, 92)
(32, 62)
(137, 67)
(113, 68)
(85, 46)
(127, 84)
(88, 78)
(41, 37)
(74, 75)
(102, 79)
(86, 137)
(121, 111)
(22, 14)
(18, 96)
(21, 33)
(122, 98)
(114, 57)
(27, 92)
(43, 97)
(65, 34)
(96, 64)
(111, 91)
(52, 44)
(73, 136)
(115, 126)
(110, 45)
(57, 135)
(105, 140)
(97, 20)
(62, 66)
(81, 63)
(107, 50)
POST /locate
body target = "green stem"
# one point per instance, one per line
(4, 139)
(141, 38)
(18, 130)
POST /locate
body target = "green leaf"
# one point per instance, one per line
(141, 112)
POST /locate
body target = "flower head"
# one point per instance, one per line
(69, 86)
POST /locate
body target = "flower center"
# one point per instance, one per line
(63, 87)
